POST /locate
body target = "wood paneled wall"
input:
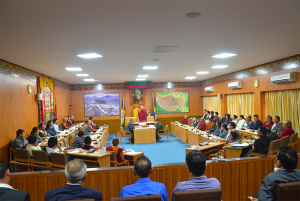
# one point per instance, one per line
(238, 178)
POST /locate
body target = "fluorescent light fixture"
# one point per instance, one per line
(89, 80)
(140, 79)
(142, 75)
(190, 77)
(224, 55)
(74, 69)
(89, 55)
(202, 72)
(82, 75)
(150, 67)
(220, 66)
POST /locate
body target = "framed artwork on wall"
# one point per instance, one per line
(137, 96)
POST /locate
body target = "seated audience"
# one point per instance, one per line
(159, 129)
(55, 126)
(49, 130)
(78, 140)
(272, 136)
(269, 123)
(208, 116)
(284, 172)
(288, 131)
(130, 127)
(185, 120)
(87, 143)
(65, 124)
(228, 119)
(80, 128)
(241, 122)
(235, 119)
(7, 192)
(68, 122)
(213, 127)
(53, 146)
(72, 120)
(35, 131)
(205, 114)
(20, 140)
(32, 144)
(42, 131)
(216, 117)
(218, 128)
(91, 126)
(196, 123)
(208, 125)
(212, 115)
(196, 164)
(52, 129)
(234, 136)
(277, 127)
(223, 131)
(94, 124)
(144, 185)
(87, 130)
(261, 145)
(257, 123)
(248, 124)
(76, 173)
(232, 127)
(119, 151)
(223, 118)
(202, 125)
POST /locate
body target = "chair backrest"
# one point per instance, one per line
(121, 129)
(59, 158)
(288, 191)
(167, 127)
(113, 156)
(139, 198)
(66, 142)
(274, 146)
(22, 154)
(41, 156)
(284, 141)
(211, 195)
(293, 138)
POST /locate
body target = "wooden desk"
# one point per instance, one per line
(147, 123)
(149, 119)
(174, 129)
(133, 156)
(247, 134)
(207, 139)
(207, 149)
(234, 152)
(183, 134)
(194, 138)
(145, 136)
(103, 159)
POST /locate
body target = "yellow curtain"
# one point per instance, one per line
(240, 104)
(212, 103)
(286, 105)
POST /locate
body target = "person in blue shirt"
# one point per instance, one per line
(257, 123)
(218, 128)
(55, 126)
(144, 185)
(223, 131)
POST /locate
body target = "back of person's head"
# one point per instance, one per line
(19, 132)
(235, 116)
(90, 118)
(32, 139)
(142, 167)
(3, 169)
(228, 115)
(54, 121)
(287, 157)
(41, 125)
(115, 141)
(208, 112)
(234, 134)
(242, 116)
(75, 170)
(34, 129)
(157, 120)
(225, 126)
(263, 130)
(232, 124)
(87, 140)
(48, 125)
(52, 142)
(81, 133)
(217, 113)
(196, 162)
(212, 112)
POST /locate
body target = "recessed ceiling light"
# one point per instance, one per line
(140, 79)
(193, 15)
(150, 67)
(190, 77)
(74, 69)
(142, 75)
(220, 66)
(224, 55)
(202, 72)
(82, 75)
(90, 55)
(89, 80)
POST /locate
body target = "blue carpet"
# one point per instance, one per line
(160, 153)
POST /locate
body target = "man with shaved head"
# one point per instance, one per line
(75, 172)
(288, 131)
(144, 185)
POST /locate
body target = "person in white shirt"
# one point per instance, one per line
(53, 146)
(241, 122)
(32, 144)
(235, 119)
(55, 125)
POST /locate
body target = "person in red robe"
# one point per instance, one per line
(269, 123)
(142, 115)
(202, 125)
(118, 151)
(288, 131)
(91, 125)
(185, 120)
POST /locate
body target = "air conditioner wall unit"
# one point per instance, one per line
(209, 89)
(235, 85)
(286, 77)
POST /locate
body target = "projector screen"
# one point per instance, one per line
(101, 104)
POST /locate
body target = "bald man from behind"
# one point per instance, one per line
(75, 172)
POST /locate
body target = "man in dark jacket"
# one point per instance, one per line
(130, 127)
(159, 129)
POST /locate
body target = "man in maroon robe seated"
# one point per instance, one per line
(185, 120)
(202, 125)
(142, 115)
